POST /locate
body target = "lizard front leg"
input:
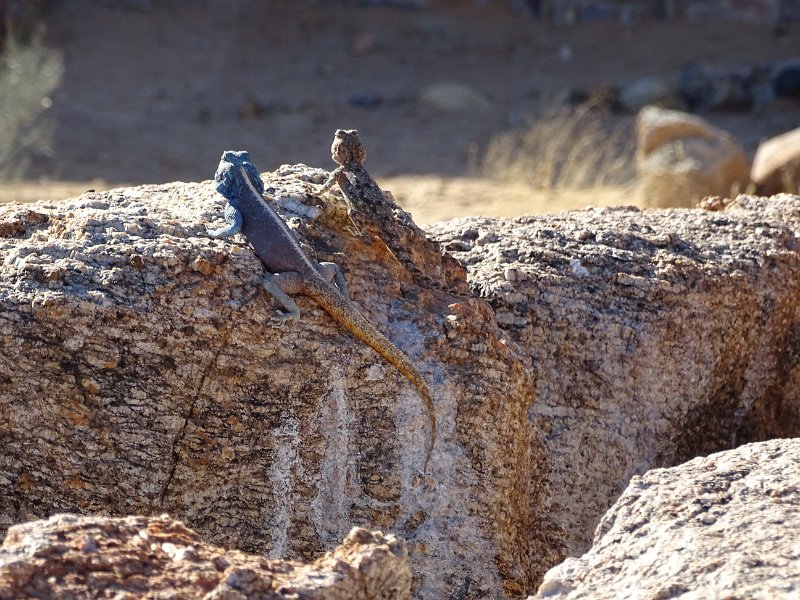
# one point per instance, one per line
(233, 217)
(332, 180)
(279, 286)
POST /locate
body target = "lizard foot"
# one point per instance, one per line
(282, 318)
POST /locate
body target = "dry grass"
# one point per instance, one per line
(569, 159)
(567, 148)
(431, 198)
(32, 191)
(428, 198)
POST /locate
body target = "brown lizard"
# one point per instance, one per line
(372, 210)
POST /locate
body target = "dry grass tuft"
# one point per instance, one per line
(567, 148)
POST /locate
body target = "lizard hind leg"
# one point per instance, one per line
(331, 272)
(279, 286)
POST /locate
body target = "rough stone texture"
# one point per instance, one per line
(776, 166)
(140, 374)
(157, 557)
(653, 336)
(724, 526)
(680, 158)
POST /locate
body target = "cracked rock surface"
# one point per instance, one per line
(140, 373)
(67, 556)
(723, 526)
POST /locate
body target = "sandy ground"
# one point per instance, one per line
(156, 95)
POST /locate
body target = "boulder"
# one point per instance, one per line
(786, 79)
(653, 336)
(449, 96)
(776, 166)
(722, 526)
(140, 373)
(67, 556)
(681, 158)
(645, 91)
(723, 88)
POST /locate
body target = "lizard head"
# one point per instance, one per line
(229, 178)
(347, 148)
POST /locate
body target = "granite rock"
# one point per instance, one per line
(680, 158)
(776, 166)
(67, 556)
(722, 526)
(653, 336)
(140, 373)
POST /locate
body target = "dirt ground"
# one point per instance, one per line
(156, 93)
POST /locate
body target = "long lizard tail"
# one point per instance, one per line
(341, 309)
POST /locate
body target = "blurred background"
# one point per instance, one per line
(466, 107)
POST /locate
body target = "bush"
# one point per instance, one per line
(28, 76)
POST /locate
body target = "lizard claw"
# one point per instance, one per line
(327, 185)
(282, 318)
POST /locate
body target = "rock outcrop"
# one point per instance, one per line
(680, 158)
(653, 336)
(776, 166)
(101, 557)
(140, 373)
(723, 526)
